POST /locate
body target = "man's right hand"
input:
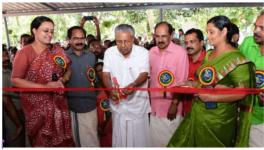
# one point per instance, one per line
(95, 20)
(172, 113)
(114, 96)
(83, 20)
(187, 84)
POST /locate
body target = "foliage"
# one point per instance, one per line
(179, 18)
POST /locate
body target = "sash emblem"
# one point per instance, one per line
(207, 76)
(60, 61)
(165, 78)
(260, 79)
(105, 104)
(90, 74)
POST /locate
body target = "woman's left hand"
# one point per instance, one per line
(55, 84)
(211, 97)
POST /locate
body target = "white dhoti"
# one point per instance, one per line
(256, 136)
(84, 128)
(162, 129)
(130, 133)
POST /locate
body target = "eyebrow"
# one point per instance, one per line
(161, 35)
(259, 25)
(48, 29)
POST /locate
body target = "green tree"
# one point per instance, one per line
(142, 20)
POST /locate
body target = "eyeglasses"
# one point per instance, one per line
(46, 31)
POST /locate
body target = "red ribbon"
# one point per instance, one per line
(183, 90)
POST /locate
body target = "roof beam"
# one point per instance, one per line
(49, 6)
(141, 7)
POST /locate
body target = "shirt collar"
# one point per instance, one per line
(200, 58)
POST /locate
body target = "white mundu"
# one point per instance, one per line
(130, 116)
(256, 135)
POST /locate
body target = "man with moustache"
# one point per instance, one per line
(168, 65)
(82, 104)
(253, 49)
(126, 66)
(194, 42)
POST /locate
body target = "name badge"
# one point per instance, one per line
(260, 79)
(165, 79)
(207, 76)
(105, 104)
(90, 74)
(60, 61)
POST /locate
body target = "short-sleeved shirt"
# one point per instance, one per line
(173, 59)
(83, 101)
(126, 71)
(251, 50)
(22, 61)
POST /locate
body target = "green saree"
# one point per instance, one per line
(218, 127)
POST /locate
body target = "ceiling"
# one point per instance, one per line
(30, 8)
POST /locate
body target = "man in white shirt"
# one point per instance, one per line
(127, 66)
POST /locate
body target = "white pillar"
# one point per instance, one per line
(161, 14)
(7, 35)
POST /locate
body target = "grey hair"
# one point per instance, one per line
(125, 28)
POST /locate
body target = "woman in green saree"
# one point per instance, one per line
(212, 121)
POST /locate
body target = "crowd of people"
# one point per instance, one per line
(123, 116)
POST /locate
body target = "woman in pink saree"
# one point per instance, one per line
(40, 65)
